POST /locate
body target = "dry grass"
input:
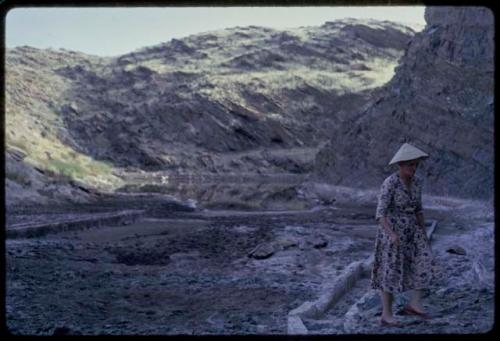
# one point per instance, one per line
(28, 114)
(50, 154)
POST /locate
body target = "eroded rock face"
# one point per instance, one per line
(440, 99)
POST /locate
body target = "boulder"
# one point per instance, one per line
(262, 251)
(457, 250)
(318, 242)
(287, 242)
(16, 153)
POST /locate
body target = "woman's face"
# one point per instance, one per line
(408, 168)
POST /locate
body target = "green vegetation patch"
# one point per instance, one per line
(69, 169)
(101, 167)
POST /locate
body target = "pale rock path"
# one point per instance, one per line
(460, 301)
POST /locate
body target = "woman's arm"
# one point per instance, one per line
(419, 213)
(387, 227)
(420, 220)
(385, 198)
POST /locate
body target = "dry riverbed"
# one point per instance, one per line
(223, 272)
(198, 274)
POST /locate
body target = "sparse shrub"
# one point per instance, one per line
(72, 154)
(101, 167)
(67, 169)
(61, 178)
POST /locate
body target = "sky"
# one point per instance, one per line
(115, 31)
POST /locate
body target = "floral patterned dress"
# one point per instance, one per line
(409, 265)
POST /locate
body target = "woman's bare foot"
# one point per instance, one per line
(416, 307)
(389, 321)
(388, 318)
(409, 309)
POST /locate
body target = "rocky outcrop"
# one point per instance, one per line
(30, 185)
(440, 99)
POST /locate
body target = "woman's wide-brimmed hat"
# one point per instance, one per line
(408, 152)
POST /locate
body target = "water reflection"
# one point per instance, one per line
(237, 192)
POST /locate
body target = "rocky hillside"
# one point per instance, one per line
(226, 91)
(440, 99)
(223, 101)
(42, 164)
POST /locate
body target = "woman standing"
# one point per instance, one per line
(402, 251)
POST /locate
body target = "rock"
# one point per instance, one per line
(16, 153)
(62, 331)
(74, 107)
(458, 58)
(446, 291)
(83, 187)
(262, 251)
(287, 243)
(295, 229)
(39, 170)
(296, 326)
(456, 250)
(359, 67)
(191, 203)
(370, 302)
(185, 256)
(319, 242)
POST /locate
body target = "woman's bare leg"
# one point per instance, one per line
(416, 301)
(386, 298)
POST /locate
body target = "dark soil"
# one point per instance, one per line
(185, 275)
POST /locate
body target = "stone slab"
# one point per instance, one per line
(25, 230)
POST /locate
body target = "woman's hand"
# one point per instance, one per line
(393, 236)
(424, 233)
